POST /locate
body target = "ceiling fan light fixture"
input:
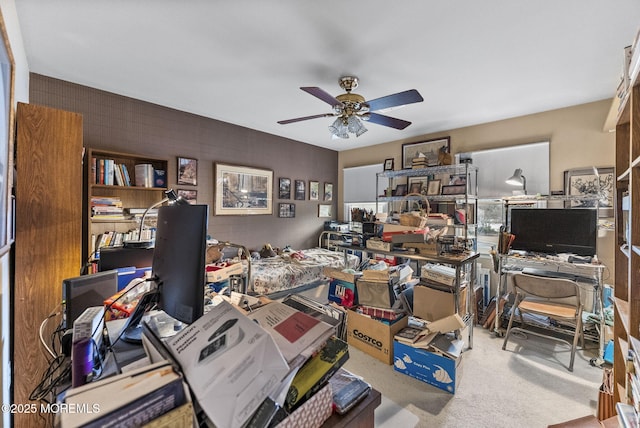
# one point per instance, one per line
(355, 126)
(339, 128)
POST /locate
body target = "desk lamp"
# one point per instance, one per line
(517, 179)
(173, 199)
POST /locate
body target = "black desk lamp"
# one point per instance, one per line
(173, 199)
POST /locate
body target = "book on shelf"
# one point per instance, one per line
(627, 415)
(297, 334)
(130, 399)
(144, 174)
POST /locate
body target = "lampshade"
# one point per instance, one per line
(517, 179)
(342, 126)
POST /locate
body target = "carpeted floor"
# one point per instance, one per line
(527, 385)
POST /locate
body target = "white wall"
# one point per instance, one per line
(21, 94)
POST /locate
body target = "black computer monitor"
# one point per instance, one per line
(121, 257)
(179, 260)
(82, 292)
(178, 267)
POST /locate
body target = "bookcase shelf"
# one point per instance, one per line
(627, 260)
(122, 196)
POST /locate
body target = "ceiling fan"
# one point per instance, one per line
(350, 108)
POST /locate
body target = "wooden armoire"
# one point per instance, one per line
(48, 240)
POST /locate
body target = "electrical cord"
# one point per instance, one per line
(41, 331)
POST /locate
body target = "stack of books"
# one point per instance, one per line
(106, 208)
(419, 162)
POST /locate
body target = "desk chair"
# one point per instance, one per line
(555, 298)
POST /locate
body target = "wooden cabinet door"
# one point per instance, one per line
(48, 235)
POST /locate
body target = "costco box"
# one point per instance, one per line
(432, 304)
(342, 287)
(439, 371)
(372, 336)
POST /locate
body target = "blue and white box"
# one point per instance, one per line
(425, 366)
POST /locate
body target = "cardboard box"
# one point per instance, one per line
(432, 304)
(372, 336)
(342, 287)
(439, 371)
(429, 248)
(375, 244)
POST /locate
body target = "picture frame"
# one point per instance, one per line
(423, 182)
(286, 210)
(242, 190)
(400, 190)
(284, 188)
(314, 190)
(388, 164)
(187, 171)
(325, 210)
(429, 148)
(299, 190)
(585, 182)
(190, 196)
(328, 192)
(454, 189)
(433, 187)
(415, 187)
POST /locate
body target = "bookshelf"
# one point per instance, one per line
(627, 256)
(119, 195)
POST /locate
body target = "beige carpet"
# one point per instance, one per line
(527, 385)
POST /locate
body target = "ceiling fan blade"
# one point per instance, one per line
(401, 98)
(300, 119)
(381, 119)
(319, 93)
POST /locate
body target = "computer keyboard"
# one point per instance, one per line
(556, 274)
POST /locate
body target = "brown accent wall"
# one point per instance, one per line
(114, 122)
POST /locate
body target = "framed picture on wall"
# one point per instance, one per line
(314, 190)
(284, 188)
(388, 164)
(328, 192)
(286, 210)
(596, 185)
(187, 171)
(242, 190)
(299, 192)
(325, 210)
(190, 196)
(429, 149)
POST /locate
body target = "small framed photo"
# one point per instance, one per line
(284, 188)
(187, 171)
(190, 196)
(286, 210)
(328, 192)
(418, 182)
(456, 189)
(433, 187)
(415, 187)
(400, 190)
(314, 190)
(325, 210)
(388, 164)
(300, 191)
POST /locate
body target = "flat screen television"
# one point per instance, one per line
(555, 230)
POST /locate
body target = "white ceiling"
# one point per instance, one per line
(243, 61)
